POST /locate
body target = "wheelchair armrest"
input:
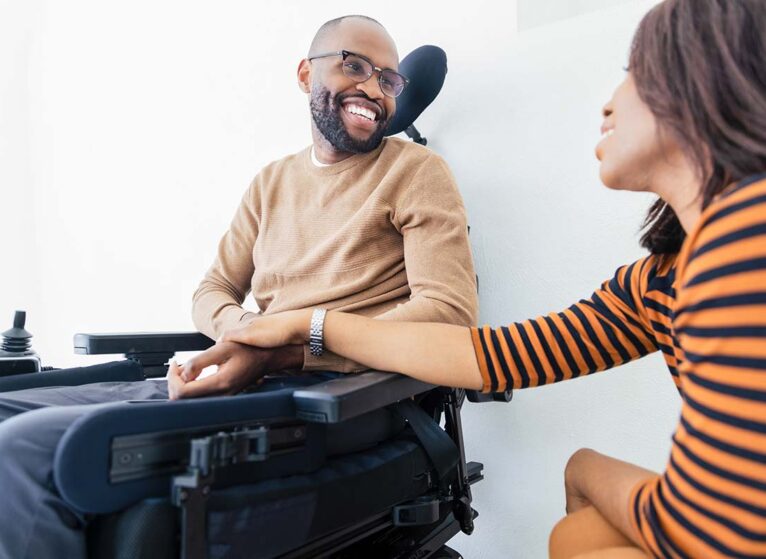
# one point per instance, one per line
(140, 342)
(152, 349)
(353, 395)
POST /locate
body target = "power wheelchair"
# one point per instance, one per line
(321, 465)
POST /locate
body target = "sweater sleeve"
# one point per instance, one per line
(217, 302)
(592, 335)
(437, 253)
(709, 502)
(437, 256)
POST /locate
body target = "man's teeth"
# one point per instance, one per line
(357, 110)
(608, 133)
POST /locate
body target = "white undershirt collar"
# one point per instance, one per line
(316, 161)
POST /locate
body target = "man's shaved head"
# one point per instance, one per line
(327, 29)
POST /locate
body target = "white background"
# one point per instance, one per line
(128, 132)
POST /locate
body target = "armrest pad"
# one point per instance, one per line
(140, 342)
(354, 394)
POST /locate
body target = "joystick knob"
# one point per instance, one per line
(17, 339)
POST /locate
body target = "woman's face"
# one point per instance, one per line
(633, 155)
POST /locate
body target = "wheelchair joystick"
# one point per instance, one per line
(16, 354)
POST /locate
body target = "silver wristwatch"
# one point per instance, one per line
(316, 332)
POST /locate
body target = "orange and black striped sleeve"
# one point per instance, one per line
(711, 500)
(606, 330)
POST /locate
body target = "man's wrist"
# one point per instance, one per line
(286, 357)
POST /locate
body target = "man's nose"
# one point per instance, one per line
(371, 88)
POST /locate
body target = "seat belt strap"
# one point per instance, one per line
(438, 445)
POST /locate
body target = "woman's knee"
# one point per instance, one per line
(584, 531)
(574, 499)
(574, 460)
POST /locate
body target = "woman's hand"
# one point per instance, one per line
(277, 330)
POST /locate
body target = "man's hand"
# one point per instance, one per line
(239, 366)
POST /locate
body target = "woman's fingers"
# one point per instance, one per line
(286, 328)
(245, 335)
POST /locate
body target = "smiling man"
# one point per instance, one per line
(356, 221)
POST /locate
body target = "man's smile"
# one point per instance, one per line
(361, 113)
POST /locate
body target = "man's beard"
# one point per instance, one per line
(325, 110)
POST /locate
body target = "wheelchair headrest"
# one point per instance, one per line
(426, 68)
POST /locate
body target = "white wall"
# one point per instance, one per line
(19, 273)
(532, 13)
(139, 126)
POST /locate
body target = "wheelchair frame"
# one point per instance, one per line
(202, 460)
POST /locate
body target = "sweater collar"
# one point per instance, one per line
(341, 166)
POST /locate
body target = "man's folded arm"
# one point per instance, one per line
(437, 255)
(217, 302)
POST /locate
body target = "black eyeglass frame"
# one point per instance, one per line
(346, 53)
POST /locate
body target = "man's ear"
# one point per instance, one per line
(304, 76)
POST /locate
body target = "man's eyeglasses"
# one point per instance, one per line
(360, 69)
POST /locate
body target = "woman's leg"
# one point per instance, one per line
(597, 490)
(585, 531)
(615, 553)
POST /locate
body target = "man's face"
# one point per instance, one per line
(338, 120)
(353, 117)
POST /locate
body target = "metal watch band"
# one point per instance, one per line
(316, 332)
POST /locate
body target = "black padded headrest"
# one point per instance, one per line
(426, 68)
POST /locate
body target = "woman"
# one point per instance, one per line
(689, 124)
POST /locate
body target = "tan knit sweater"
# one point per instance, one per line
(381, 234)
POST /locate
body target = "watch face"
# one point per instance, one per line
(18, 365)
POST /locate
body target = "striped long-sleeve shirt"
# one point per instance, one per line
(706, 311)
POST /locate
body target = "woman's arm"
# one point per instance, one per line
(592, 335)
(440, 354)
(435, 353)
